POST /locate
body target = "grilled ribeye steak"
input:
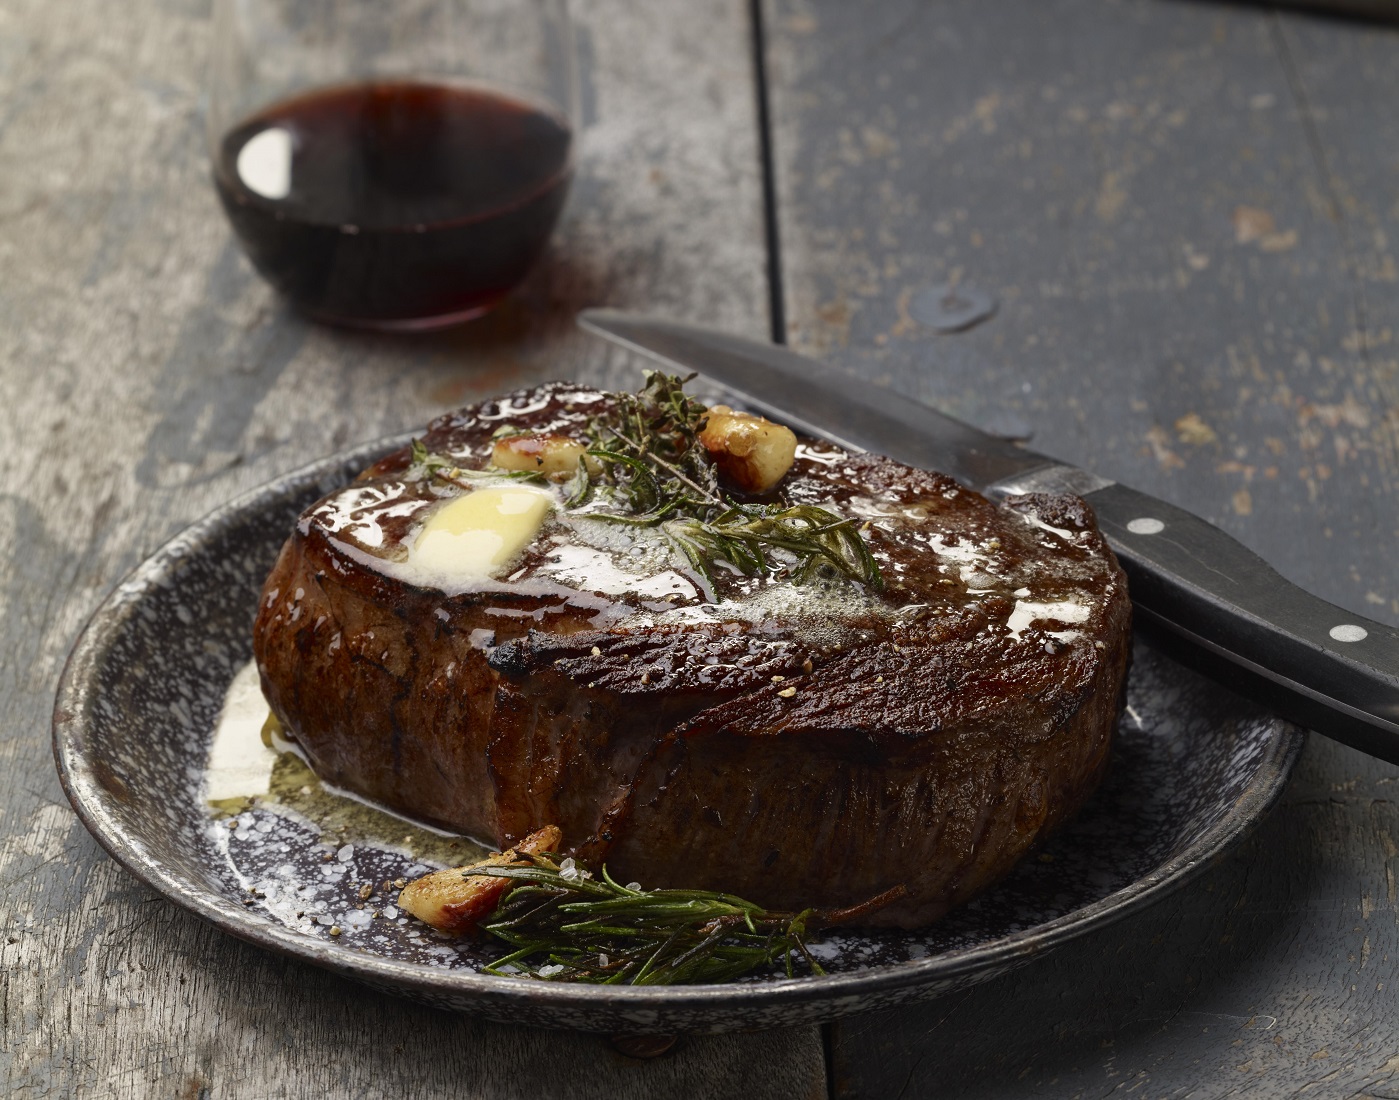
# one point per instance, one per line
(808, 744)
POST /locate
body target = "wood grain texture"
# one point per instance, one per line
(1187, 215)
(146, 376)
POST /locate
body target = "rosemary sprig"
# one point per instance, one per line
(656, 473)
(565, 925)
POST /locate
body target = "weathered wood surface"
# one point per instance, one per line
(1188, 215)
(146, 376)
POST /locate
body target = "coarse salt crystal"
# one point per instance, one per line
(345, 854)
(572, 872)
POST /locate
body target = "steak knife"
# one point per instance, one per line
(1213, 602)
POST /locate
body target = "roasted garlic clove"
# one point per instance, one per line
(554, 456)
(752, 452)
(457, 903)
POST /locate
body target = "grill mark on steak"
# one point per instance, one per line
(912, 737)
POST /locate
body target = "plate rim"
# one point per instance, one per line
(833, 994)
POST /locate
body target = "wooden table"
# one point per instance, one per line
(1188, 215)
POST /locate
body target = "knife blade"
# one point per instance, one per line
(1209, 599)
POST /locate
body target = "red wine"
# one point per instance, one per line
(395, 204)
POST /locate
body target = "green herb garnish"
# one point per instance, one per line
(426, 464)
(656, 473)
(567, 925)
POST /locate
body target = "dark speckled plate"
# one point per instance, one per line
(1193, 769)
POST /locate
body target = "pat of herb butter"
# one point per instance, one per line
(473, 535)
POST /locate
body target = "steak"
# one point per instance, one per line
(810, 744)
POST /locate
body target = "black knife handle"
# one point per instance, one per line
(1322, 666)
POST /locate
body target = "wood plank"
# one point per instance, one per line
(146, 375)
(1109, 171)
(1186, 213)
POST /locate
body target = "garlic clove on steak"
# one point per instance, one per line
(751, 451)
(554, 456)
(457, 903)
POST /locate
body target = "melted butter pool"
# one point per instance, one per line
(311, 856)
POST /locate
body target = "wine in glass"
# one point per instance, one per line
(393, 166)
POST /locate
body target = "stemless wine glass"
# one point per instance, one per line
(393, 165)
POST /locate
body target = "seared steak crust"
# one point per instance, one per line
(797, 746)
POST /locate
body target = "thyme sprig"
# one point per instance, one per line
(428, 465)
(653, 471)
(564, 924)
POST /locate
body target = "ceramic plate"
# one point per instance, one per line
(1193, 769)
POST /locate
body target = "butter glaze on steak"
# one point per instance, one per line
(798, 746)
